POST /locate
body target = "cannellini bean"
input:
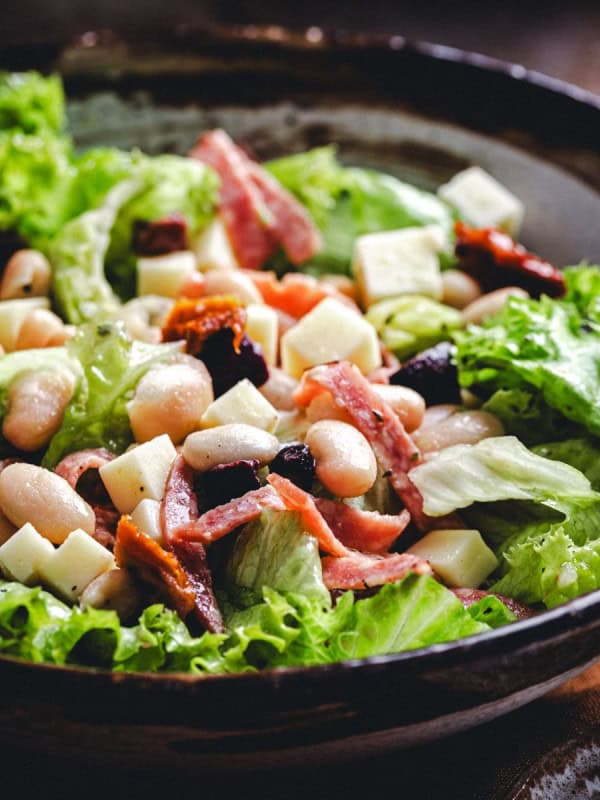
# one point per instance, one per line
(233, 442)
(489, 304)
(41, 328)
(170, 399)
(114, 590)
(143, 317)
(343, 284)
(232, 282)
(32, 494)
(279, 389)
(324, 406)
(465, 427)
(408, 404)
(345, 462)
(458, 288)
(435, 414)
(6, 529)
(27, 274)
(36, 406)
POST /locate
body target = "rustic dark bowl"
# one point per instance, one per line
(421, 112)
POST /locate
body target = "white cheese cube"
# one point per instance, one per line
(213, 249)
(242, 403)
(460, 557)
(398, 262)
(146, 515)
(139, 473)
(164, 275)
(12, 317)
(330, 332)
(482, 201)
(262, 326)
(75, 564)
(22, 555)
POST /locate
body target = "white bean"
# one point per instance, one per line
(113, 590)
(41, 328)
(143, 317)
(489, 304)
(407, 404)
(345, 462)
(232, 282)
(27, 274)
(32, 494)
(6, 528)
(465, 427)
(36, 406)
(279, 389)
(435, 414)
(236, 441)
(324, 406)
(458, 288)
(170, 399)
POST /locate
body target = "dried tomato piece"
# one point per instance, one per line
(197, 320)
(495, 260)
(166, 235)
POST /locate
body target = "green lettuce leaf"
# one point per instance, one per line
(31, 102)
(347, 202)
(491, 611)
(275, 551)
(583, 454)
(527, 416)
(111, 365)
(24, 612)
(550, 348)
(168, 184)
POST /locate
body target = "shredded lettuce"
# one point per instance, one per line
(347, 202)
(31, 103)
(111, 366)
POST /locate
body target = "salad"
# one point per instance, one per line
(279, 414)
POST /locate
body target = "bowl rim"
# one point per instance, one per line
(547, 624)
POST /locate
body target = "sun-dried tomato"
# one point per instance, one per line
(196, 320)
(495, 260)
(166, 235)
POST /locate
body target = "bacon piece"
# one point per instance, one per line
(221, 520)
(197, 320)
(192, 557)
(393, 447)
(107, 519)
(366, 531)
(359, 571)
(166, 235)
(296, 499)
(296, 294)
(495, 260)
(73, 466)
(292, 225)
(470, 596)
(247, 220)
(184, 584)
(179, 505)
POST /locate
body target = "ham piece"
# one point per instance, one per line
(258, 213)
(393, 447)
(359, 571)
(367, 531)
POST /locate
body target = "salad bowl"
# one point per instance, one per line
(422, 113)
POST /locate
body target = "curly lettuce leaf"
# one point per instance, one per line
(347, 202)
(31, 102)
(111, 366)
(168, 184)
(275, 551)
(525, 414)
(491, 611)
(582, 454)
(546, 347)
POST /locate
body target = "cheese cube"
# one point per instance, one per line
(262, 326)
(164, 275)
(139, 473)
(22, 555)
(482, 201)
(75, 564)
(399, 262)
(12, 317)
(213, 249)
(330, 332)
(242, 403)
(146, 515)
(460, 557)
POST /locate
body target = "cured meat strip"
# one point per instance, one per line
(192, 557)
(221, 520)
(292, 225)
(179, 505)
(73, 466)
(495, 260)
(296, 294)
(247, 220)
(359, 571)
(393, 447)
(366, 531)
(296, 499)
